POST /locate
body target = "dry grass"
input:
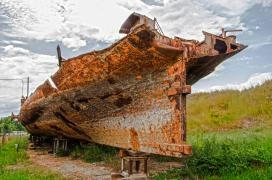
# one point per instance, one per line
(222, 111)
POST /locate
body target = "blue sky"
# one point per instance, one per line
(31, 29)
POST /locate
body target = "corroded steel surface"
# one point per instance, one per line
(131, 95)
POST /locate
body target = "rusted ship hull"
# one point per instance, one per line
(131, 95)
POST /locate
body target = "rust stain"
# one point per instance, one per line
(131, 95)
(134, 140)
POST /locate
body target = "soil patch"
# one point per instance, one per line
(69, 168)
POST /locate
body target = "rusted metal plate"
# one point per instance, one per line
(131, 95)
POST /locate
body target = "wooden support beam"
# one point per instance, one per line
(130, 170)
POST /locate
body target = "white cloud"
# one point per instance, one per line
(19, 63)
(260, 44)
(73, 42)
(253, 81)
(134, 5)
(237, 7)
(15, 64)
(72, 22)
(11, 50)
(265, 3)
(75, 22)
(14, 42)
(187, 18)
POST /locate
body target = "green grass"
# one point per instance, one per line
(15, 165)
(100, 153)
(27, 174)
(220, 111)
(230, 155)
(231, 135)
(94, 153)
(97, 153)
(264, 173)
(8, 153)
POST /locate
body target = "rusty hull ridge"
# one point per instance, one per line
(131, 95)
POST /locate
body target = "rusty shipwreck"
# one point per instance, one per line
(131, 95)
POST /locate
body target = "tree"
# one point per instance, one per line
(7, 125)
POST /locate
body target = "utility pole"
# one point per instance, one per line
(15, 79)
(22, 81)
(27, 90)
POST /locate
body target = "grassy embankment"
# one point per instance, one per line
(15, 165)
(231, 136)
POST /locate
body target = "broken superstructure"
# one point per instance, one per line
(131, 95)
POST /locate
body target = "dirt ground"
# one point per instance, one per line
(78, 169)
(69, 168)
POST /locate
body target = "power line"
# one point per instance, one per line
(18, 79)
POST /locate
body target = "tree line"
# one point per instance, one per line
(7, 125)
